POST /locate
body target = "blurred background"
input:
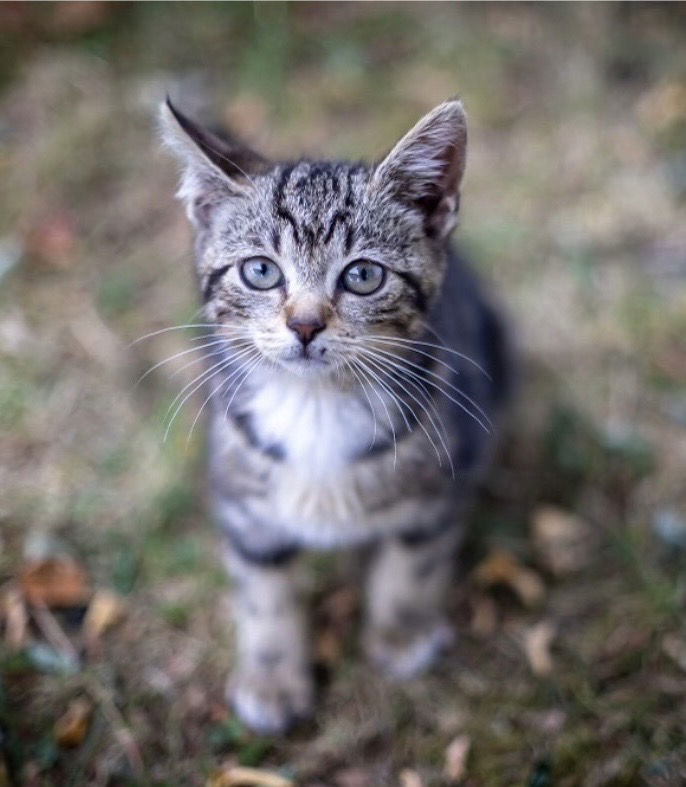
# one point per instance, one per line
(571, 663)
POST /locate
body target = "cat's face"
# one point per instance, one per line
(308, 262)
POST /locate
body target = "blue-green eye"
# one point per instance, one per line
(261, 273)
(363, 277)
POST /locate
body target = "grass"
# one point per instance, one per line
(573, 206)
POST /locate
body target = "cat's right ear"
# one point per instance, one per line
(213, 167)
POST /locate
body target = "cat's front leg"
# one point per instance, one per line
(271, 685)
(406, 629)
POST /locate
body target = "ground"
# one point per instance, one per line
(570, 666)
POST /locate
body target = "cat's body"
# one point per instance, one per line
(355, 375)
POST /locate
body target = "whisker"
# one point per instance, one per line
(372, 410)
(200, 380)
(454, 388)
(255, 364)
(399, 340)
(173, 328)
(385, 371)
(383, 404)
(394, 397)
(214, 391)
(178, 355)
(418, 385)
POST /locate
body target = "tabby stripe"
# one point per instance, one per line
(338, 216)
(212, 281)
(274, 558)
(413, 283)
(286, 215)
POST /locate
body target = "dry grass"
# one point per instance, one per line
(574, 205)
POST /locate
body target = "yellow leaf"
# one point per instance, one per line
(105, 610)
(236, 776)
(561, 539)
(503, 568)
(537, 642)
(70, 729)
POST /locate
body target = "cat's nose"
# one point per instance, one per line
(306, 330)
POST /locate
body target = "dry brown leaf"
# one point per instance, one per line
(456, 758)
(561, 539)
(328, 649)
(71, 728)
(410, 778)
(237, 776)
(54, 582)
(537, 642)
(484, 616)
(52, 240)
(353, 777)
(16, 618)
(503, 568)
(105, 610)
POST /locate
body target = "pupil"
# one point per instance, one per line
(262, 269)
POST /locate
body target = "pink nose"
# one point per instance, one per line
(306, 330)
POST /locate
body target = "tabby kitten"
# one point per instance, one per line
(355, 371)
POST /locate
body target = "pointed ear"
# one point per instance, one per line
(425, 168)
(213, 167)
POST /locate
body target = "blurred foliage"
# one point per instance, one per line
(574, 205)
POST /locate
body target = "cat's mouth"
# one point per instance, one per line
(306, 361)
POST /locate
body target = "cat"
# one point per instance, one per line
(355, 373)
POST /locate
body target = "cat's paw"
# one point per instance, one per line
(407, 652)
(270, 701)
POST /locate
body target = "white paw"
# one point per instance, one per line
(270, 701)
(403, 653)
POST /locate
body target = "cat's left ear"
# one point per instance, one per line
(213, 167)
(425, 168)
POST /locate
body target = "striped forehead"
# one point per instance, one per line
(315, 203)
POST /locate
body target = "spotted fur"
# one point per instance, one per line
(372, 425)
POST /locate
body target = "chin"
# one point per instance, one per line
(307, 367)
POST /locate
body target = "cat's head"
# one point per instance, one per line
(307, 261)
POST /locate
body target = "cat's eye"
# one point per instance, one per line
(261, 273)
(363, 277)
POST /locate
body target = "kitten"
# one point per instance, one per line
(355, 374)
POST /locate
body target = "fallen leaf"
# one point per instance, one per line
(503, 568)
(353, 777)
(456, 758)
(410, 778)
(52, 240)
(237, 776)
(16, 618)
(71, 728)
(105, 610)
(54, 582)
(328, 648)
(484, 616)
(537, 642)
(561, 539)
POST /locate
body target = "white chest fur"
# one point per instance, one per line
(319, 426)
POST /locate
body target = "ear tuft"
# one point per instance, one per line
(426, 166)
(213, 167)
